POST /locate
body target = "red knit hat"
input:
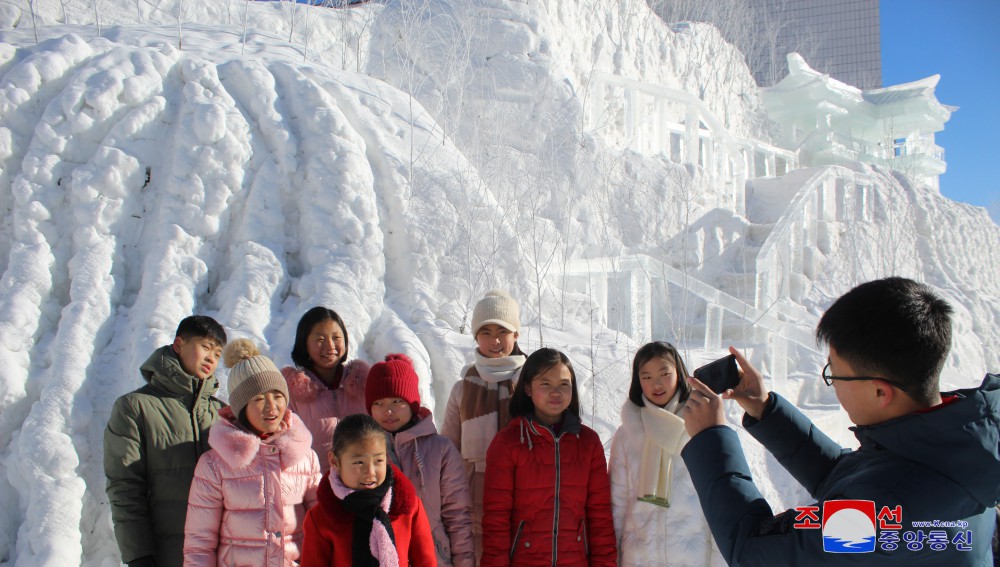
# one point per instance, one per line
(394, 378)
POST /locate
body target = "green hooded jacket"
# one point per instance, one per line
(154, 438)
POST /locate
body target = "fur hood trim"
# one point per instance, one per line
(239, 447)
(404, 495)
(304, 386)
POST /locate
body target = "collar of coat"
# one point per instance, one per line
(238, 447)
(423, 427)
(163, 371)
(966, 431)
(304, 386)
(531, 427)
(404, 497)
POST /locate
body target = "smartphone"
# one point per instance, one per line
(719, 375)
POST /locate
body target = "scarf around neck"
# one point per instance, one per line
(373, 542)
(663, 437)
(485, 407)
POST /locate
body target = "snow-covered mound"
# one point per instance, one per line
(393, 161)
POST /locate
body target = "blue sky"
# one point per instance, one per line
(959, 40)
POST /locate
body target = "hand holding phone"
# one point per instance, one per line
(751, 393)
(719, 375)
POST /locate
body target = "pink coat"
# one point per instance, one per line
(320, 408)
(435, 467)
(249, 496)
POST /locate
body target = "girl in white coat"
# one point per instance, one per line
(658, 519)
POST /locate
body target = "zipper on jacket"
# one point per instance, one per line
(195, 429)
(583, 537)
(517, 536)
(555, 515)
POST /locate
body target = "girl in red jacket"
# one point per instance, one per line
(549, 499)
(368, 512)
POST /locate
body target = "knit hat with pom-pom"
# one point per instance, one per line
(394, 378)
(499, 308)
(250, 374)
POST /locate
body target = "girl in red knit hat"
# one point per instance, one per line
(429, 460)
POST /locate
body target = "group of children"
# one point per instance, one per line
(334, 463)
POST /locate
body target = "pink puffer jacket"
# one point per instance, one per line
(249, 496)
(435, 467)
(320, 408)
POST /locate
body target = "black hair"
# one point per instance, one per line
(895, 328)
(353, 429)
(300, 352)
(537, 364)
(245, 422)
(658, 349)
(197, 326)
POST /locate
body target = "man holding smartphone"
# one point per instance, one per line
(921, 487)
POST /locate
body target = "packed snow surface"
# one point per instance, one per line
(393, 162)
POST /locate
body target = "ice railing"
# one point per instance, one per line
(845, 148)
(648, 124)
(761, 327)
(789, 258)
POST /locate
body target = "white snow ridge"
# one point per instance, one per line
(394, 161)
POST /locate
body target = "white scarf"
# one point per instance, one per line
(663, 438)
(484, 405)
(496, 370)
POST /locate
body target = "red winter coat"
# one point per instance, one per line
(249, 496)
(320, 407)
(537, 482)
(329, 528)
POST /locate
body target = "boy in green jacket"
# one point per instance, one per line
(154, 438)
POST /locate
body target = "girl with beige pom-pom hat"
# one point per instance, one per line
(251, 491)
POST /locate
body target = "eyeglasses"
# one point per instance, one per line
(829, 378)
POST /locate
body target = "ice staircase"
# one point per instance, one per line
(759, 305)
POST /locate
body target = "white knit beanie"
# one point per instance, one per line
(499, 308)
(250, 374)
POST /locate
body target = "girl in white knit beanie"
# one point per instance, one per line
(252, 490)
(479, 403)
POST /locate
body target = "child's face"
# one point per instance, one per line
(392, 413)
(325, 344)
(361, 465)
(658, 380)
(199, 356)
(551, 393)
(265, 411)
(495, 341)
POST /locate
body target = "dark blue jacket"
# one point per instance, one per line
(940, 465)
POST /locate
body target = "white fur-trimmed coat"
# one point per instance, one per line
(649, 534)
(249, 496)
